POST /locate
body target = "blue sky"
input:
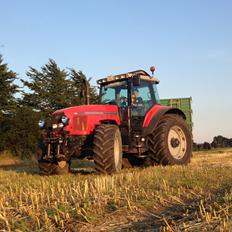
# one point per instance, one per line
(189, 42)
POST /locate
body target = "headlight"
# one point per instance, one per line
(60, 125)
(55, 126)
(41, 124)
(64, 120)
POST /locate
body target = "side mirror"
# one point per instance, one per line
(136, 80)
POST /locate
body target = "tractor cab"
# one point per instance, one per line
(135, 93)
(136, 90)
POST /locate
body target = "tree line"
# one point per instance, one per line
(44, 91)
(218, 142)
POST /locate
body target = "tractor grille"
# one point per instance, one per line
(80, 123)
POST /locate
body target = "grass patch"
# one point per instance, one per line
(8, 159)
(196, 197)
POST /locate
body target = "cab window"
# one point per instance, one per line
(142, 98)
(114, 93)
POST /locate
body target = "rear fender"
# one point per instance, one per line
(151, 122)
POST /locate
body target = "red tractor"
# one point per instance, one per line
(129, 127)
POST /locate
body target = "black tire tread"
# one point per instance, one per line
(157, 141)
(104, 148)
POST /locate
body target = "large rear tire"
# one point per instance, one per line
(107, 149)
(171, 142)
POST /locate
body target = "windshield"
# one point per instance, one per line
(143, 97)
(114, 93)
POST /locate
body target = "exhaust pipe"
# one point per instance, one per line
(85, 91)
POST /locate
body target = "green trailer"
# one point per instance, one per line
(182, 103)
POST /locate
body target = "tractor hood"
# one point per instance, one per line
(83, 119)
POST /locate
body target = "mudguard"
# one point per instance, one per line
(154, 115)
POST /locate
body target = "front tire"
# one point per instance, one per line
(50, 167)
(107, 149)
(170, 143)
(53, 168)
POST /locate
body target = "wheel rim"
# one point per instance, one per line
(177, 143)
(116, 151)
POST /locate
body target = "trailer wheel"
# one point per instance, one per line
(107, 149)
(170, 143)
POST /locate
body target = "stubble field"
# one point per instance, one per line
(197, 197)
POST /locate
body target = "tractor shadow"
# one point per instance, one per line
(82, 167)
(21, 168)
(83, 172)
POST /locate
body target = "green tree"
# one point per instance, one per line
(49, 88)
(78, 84)
(52, 88)
(7, 89)
(21, 131)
